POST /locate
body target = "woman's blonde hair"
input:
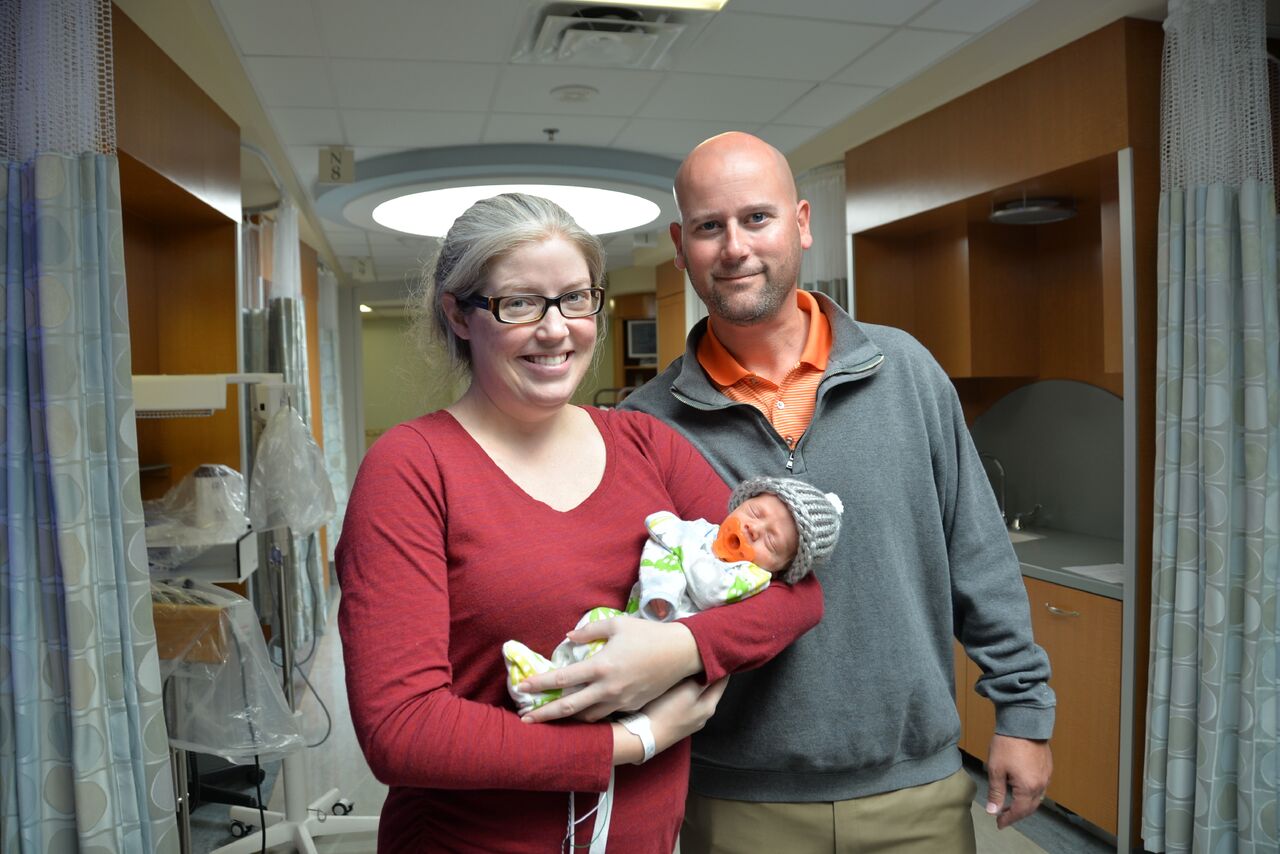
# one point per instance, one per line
(485, 232)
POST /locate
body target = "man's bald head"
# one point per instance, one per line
(742, 229)
(730, 153)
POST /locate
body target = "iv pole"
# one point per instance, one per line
(300, 822)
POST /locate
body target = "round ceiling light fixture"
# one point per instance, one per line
(432, 212)
(1041, 211)
(421, 192)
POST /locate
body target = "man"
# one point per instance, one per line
(847, 740)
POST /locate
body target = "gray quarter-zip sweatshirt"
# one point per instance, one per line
(863, 703)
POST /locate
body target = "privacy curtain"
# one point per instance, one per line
(335, 451)
(1211, 754)
(825, 267)
(84, 763)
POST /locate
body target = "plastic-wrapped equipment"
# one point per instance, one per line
(222, 693)
(289, 486)
(206, 508)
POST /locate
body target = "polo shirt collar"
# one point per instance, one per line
(724, 369)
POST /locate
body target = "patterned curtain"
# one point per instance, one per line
(84, 762)
(1211, 758)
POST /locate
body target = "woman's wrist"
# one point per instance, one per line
(628, 749)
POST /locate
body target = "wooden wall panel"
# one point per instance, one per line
(940, 270)
(670, 312)
(1071, 105)
(1069, 270)
(1112, 283)
(167, 122)
(884, 282)
(1004, 299)
(311, 309)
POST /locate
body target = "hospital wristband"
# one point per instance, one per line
(639, 726)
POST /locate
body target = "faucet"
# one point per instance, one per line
(1022, 520)
(1000, 493)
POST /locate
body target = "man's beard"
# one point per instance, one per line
(745, 309)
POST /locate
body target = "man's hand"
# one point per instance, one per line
(641, 660)
(1019, 767)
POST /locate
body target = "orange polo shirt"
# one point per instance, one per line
(788, 405)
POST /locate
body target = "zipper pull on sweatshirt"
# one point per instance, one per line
(791, 460)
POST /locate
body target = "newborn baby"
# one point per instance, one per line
(775, 525)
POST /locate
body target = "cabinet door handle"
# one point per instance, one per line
(1060, 612)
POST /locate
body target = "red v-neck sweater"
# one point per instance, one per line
(442, 559)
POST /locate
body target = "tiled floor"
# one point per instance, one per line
(339, 763)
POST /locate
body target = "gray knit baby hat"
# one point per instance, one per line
(817, 516)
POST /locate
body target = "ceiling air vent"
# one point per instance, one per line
(602, 36)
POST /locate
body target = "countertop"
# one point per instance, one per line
(1049, 555)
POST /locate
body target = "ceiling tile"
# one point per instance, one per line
(408, 129)
(527, 89)
(572, 130)
(400, 85)
(786, 137)
(783, 48)
(306, 126)
(674, 137)
(827, 104)
(721, 98)
(888, 12)
(278, 28)
(968, 16)
(475, 31)
(305, 160)
(287, 81)
(901, 56)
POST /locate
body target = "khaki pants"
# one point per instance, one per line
(929, 819)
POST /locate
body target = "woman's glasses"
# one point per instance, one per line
(530, 308)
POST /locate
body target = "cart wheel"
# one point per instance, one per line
(342, 806)
(239, 829)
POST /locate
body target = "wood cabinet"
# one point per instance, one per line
(179, 158)
(1004, 306)
(1004, 301)
(671, 317)
(964, 289)
(630, 371)
(1081, 633)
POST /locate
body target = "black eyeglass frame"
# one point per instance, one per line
(490, 304)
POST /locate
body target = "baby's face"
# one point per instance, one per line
(767, 530)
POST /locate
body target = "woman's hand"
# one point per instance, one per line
(641, 660)
(675, 715)
(683, 710)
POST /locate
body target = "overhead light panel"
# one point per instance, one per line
(692, 5)
(432, 212)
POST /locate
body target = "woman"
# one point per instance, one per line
(505, 516)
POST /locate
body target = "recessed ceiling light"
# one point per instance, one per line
(626, 190)
(365, 309)
(432, 212)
